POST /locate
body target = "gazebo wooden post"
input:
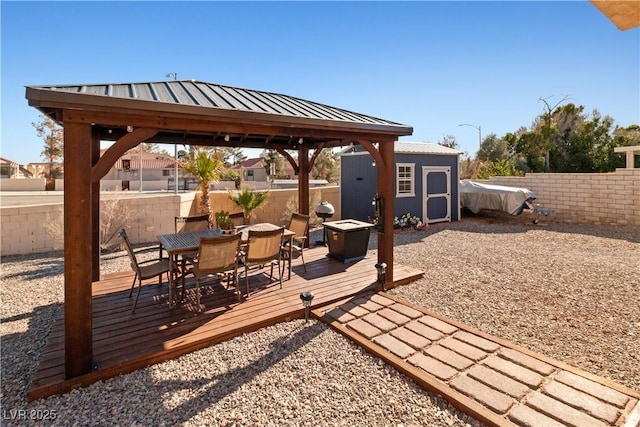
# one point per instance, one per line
(303, 180)
(386, 187)
(95, 212)
(78, 346)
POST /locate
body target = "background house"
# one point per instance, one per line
(252, 170)
(426, 182)
(150, 167)
(11, 169)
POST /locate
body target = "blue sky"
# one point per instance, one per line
(430, 65)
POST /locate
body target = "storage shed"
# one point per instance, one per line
(426, 182)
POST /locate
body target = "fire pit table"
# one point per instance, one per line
(348, 239)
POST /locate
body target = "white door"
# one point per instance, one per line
(436, 187)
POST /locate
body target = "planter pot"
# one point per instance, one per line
(230, 232)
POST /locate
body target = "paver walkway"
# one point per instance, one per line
(490, 379)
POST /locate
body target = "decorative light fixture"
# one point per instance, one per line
(306, 298)
(129, 129)
(300, 140)
(381, 268)
(174, 75)
(227, 138)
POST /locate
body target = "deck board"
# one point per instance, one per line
(124, 342)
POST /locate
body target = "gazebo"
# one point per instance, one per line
(195, 113)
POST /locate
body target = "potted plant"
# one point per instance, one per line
(225, 224)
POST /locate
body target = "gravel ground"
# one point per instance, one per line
(567, 291)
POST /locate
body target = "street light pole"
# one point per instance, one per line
(175, 170)
(140, 168)
(479, 132)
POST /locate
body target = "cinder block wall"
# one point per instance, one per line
(27, 184)
(28, 229)
(24, 229)
(276, 204)
(595, 198)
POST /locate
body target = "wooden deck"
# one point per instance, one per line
(124, 342)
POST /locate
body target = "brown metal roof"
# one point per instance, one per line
(204, 114)
(209, 95)
(208, 100)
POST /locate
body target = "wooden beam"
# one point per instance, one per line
(208, 125)
(315, 155)
(78, 263)
(95, 211)
(386, 188)
(303, 180)
(289, 158)
(368, 145)
(385, 164)
(113, 153)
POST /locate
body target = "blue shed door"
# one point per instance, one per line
(436, 184)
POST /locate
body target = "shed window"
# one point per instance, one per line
(405, 180)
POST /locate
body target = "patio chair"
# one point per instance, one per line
(216, 255)
(143, 269)
(185, 224)
(299, 224)
(237, 218)
(263, 247)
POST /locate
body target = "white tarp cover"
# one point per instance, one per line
(476, 196)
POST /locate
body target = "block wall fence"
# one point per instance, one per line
(24, 229)
(593, 198)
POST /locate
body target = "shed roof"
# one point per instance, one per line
(423, 148)
(410, 148)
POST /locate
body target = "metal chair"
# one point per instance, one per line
(263, 247)
(299, 224)
(216, 255)
(144, 269)
(185, 224)
(237, 218)
(191, 223)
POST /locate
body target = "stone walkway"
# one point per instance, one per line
(489, 378)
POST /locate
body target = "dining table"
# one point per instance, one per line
(177, 244)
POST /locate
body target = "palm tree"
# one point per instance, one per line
(207, 169)
(248, 200)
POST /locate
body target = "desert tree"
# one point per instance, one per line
(207, 167)
(53, 136)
